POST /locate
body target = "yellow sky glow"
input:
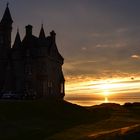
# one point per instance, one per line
(106, 87)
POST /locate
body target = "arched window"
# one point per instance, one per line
(50, 85)
(62, 88)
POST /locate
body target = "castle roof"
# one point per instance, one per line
(6, 19)
(30, 41)
(17, 42)
(42, 33)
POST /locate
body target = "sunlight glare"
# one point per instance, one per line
(106, 93)
(106, 100)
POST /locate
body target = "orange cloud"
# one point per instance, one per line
(135, 56)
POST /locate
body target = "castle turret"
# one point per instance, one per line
(7, 19)
(6, 28)
(18, 65)
(5, 44)
(17, 49)
(54, 51)
(42, 33)
(17, 42)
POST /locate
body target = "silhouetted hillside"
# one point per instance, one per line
(40, 119)
(61, 120)
(123, 122)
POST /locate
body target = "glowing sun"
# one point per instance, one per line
(106, 89)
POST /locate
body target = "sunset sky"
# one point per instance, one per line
(99, 39)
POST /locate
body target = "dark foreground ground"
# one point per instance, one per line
(60, 120)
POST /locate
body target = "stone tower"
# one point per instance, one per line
(5, 45)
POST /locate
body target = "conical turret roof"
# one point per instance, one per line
(17, 42)
(6, 19)
(42, 33)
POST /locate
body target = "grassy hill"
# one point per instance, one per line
(40, 119)
(60, 120)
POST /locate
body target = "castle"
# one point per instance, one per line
(31, 67)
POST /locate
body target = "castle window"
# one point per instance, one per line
(49, 84)
(50, 87)
(62, 87)
(45, 87)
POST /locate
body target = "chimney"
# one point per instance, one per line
(29, 30)
(53, 35)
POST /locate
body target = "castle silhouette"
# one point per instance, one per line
(31, 67)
